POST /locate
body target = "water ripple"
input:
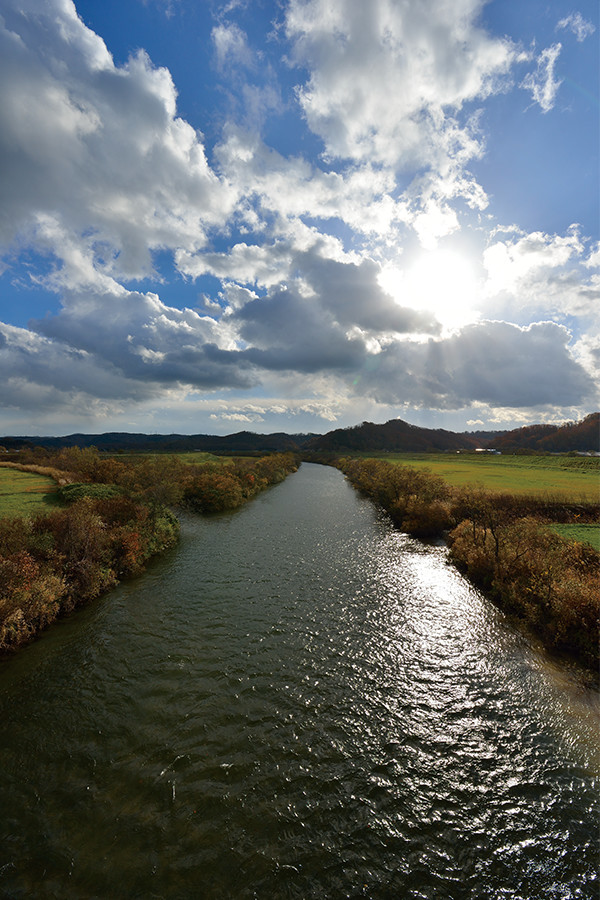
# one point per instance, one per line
(298, 703)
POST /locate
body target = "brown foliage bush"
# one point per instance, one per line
(535, 574)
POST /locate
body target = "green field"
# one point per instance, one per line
(566, 477)
(192, 457)
(584, 534)
(25, 493)
(200, 458)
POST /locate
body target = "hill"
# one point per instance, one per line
(581, 436)
(394, 435)
(112, 441)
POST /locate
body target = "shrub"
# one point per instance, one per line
(78, 491)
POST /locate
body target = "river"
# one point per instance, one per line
(296, 702)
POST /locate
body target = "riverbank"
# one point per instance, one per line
(297, 701)
(503, 544)
(116, 516)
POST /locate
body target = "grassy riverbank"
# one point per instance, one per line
(573, 478)
(115, 517)
(26, 493)
(504, 544)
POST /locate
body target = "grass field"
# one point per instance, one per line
(192, 457)
(584, 534)
(200, 458)
(25, 493)
(573, 478)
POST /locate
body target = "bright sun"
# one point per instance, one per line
(441, 281)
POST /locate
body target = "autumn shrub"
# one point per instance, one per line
(30, 592)
(549, 582)
(217, 488)
(214, 490)
(54, 562)
(81, 543)
(416, 500)
(423, 518)
(78, 491)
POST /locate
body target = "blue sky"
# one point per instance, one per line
(297, 215)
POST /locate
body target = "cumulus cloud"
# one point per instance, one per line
(96, 149)
(291, 187)
(231, 45)
(493, 363)
(545, 271)
(99, 174)
(144, 339)
(382, 78)
(40, 374)
(393, 86)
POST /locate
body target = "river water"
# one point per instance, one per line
(296, 702)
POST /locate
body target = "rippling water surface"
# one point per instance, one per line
(296, 702)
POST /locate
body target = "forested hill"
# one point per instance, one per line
(582, 436)
(400, 436)
(393, 435)
(112, 441)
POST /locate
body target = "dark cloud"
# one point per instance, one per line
(492, 362)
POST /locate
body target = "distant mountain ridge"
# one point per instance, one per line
(116, 440)
(395, 435)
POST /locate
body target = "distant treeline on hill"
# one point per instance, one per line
(242, 441)
(583, 436)
(394, 435)
(397, 435)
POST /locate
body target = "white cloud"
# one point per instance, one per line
(99, 174)
(510, 262)
(547, 272)
(96, 149)
(580, 27)
(290, 188)
(385, 77)
(542, 83)
(231, 45)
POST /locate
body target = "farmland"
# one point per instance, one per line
(571, 478)
(25, 493)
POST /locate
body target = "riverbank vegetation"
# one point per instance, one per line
(116, 514)
(573, 477)
(505, 544)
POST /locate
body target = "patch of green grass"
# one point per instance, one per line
(570, 478)
(200, 458)
(584, 534)
(189, 457)
(25, 493)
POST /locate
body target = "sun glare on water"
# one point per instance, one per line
(442, 282)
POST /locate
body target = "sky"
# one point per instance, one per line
(297, 215)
